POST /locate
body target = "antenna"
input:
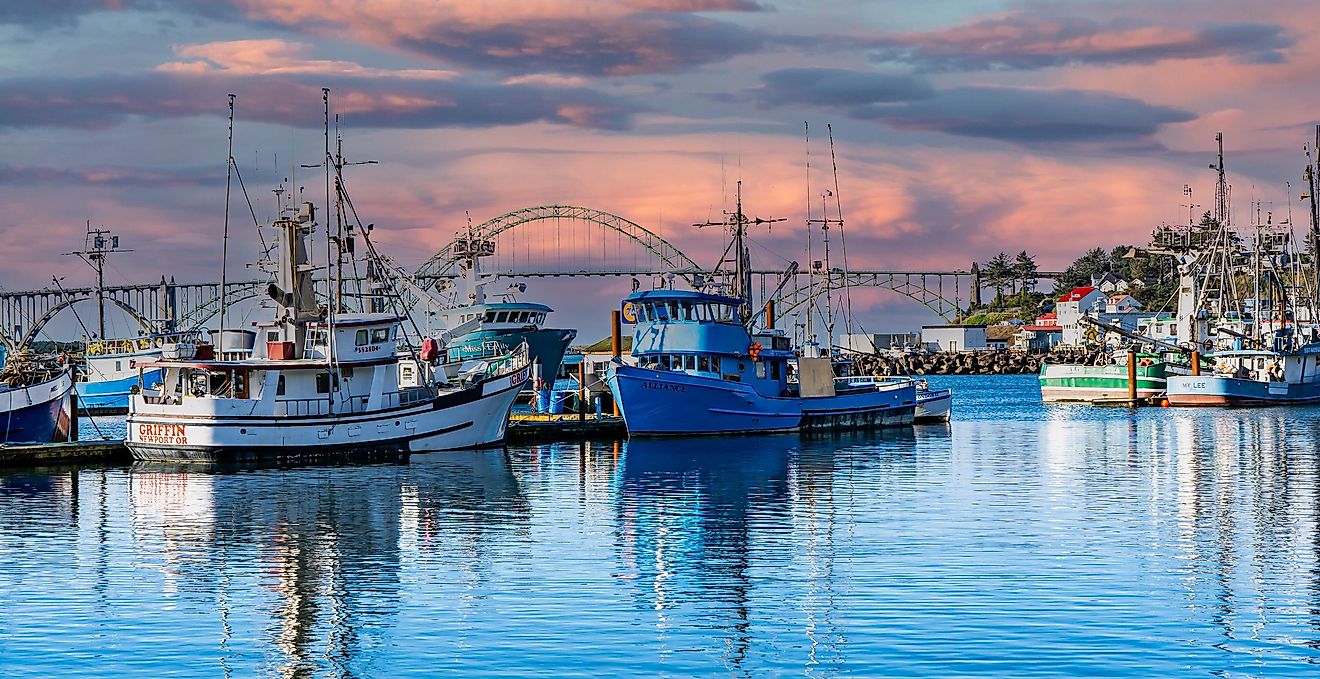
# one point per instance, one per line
(96, 245)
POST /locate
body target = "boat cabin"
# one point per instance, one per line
(1268, 366)
(365, 374)
(701, 334)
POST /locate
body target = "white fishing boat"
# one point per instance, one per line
(316, 386)
(323, 381)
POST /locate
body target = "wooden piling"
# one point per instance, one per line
(1196, 363)
(616, 346)
(770, 314)
(1132, 376)
(582, 390)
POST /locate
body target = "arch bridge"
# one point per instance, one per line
(553, 251)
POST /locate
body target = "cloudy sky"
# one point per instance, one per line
(962, 128)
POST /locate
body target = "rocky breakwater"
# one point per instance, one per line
(974, 362)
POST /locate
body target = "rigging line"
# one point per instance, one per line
(395, 301)
(809, 334)
(255, 222)
(843, 242)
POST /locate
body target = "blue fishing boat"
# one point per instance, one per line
(34, 400)
(483, 330)
(113, 367)
(701, 369)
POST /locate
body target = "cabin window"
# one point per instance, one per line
(490, 316)
(690, 362)
(540, 318)
(347, 371)
(407, 372)
(380, 335)
(760, 369)
(703, 363)
(199, 384)
(663, 360)
(119, 365)
(361, 339)
(659, 312)
(322, 383)
(279, 386)
(272, 336)
(672, 308)
(774, 370)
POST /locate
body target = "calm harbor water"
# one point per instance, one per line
(1020, 540)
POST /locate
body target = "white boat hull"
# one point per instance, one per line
(471, 418)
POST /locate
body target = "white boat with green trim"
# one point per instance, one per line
(1064, 382)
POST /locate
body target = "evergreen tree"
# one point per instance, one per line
(1025, 270)
(998, 273)
(1094, 263)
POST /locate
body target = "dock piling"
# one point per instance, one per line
(1132, 376)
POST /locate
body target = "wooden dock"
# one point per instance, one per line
(522, 429)
(82, 452)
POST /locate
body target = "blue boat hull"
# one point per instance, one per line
(112, 395)
(669, 403)
(44, 421)
(1218, 390)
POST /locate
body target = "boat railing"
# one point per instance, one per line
(297, 407)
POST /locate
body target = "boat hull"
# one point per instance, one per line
(669, 403)
(111, 396)
(1087, 383)
(1218, 390)
(472, 418)
(37, 413)
(934, 406)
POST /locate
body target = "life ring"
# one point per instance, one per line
(755, 351)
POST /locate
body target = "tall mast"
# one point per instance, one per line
(843, 241)
(96, 245)
(224, 245)
(1311, 170)
(811, 267)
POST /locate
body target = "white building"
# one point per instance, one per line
(879, 341)
(1119, 310)
(953, 337)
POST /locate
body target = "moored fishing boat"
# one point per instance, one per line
(34, 399)
(318, 386)
(702, 369)
(1253, 378)
(1072, 382)
(498, 327)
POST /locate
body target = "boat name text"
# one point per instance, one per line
(663, 387)
(166, 434)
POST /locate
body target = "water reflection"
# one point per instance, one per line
(1111, 542)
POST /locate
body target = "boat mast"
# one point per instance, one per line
(1310, 175)
(843, 241)
(224, 245)
(96, 245)
(811, 266)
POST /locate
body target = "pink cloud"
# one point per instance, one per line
(277, 57)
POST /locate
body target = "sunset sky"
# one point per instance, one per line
(962, 128)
